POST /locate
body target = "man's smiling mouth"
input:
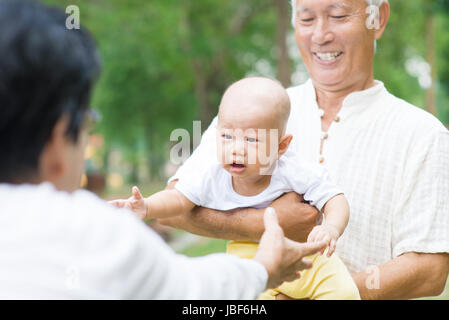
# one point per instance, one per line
(328, 56)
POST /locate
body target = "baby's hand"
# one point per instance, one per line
(327, 234)
(135, 203)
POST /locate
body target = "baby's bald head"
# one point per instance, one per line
(253, 100)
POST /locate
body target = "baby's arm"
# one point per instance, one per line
(167, 203)
(336, 213)
(164, 204)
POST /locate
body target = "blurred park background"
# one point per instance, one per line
(166, 63)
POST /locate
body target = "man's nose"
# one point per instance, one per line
(322, 34)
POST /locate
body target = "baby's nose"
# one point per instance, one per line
(238, 148)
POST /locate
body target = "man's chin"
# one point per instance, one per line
(327, 79)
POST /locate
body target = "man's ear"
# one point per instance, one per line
(52, 162)
(384, 15)
(284, 143)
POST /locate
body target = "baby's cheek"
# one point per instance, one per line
(252, 169)
(252, 156)
(266, 156)
(223, 153)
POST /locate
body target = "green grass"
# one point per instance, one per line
(205, 247)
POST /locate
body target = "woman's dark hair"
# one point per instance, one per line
(46, 71)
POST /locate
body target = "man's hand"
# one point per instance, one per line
(325, 233)
(296, 217)
(282, 258)
(135, 203)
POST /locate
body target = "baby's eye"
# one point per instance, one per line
(251, 140)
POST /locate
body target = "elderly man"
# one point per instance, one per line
(391, 158)
(60, 243)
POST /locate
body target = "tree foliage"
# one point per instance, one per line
(167, 62)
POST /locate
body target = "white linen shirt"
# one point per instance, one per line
(390, 158)
(210, 185)
(55, 245)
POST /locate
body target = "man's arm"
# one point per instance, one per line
(408, 276)
(296, 218)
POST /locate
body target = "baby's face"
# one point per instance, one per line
(247, 142)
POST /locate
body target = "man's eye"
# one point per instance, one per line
(307, 20)
(338, 17)
(227, 136)
(251, 139)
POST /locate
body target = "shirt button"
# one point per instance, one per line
(321, 112)
(321, 159)
(337, 119)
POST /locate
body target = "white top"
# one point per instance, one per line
(211, 186)
(392, 161)
(54, 245)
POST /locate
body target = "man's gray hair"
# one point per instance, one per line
(369, 2)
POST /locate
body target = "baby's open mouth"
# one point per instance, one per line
(237, 167)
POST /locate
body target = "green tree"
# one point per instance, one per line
(167, 62)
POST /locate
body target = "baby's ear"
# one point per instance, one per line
(284, 142)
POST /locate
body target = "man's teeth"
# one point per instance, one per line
(328, 56)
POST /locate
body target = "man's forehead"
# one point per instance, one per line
(308, 5)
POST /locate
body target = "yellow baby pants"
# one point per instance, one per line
(328, 279)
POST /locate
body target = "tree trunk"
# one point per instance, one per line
(206, 112)
(283, 25)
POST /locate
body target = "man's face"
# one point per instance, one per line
(335, 44)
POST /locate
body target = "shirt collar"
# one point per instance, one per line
(361, 99)
(365, 96)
